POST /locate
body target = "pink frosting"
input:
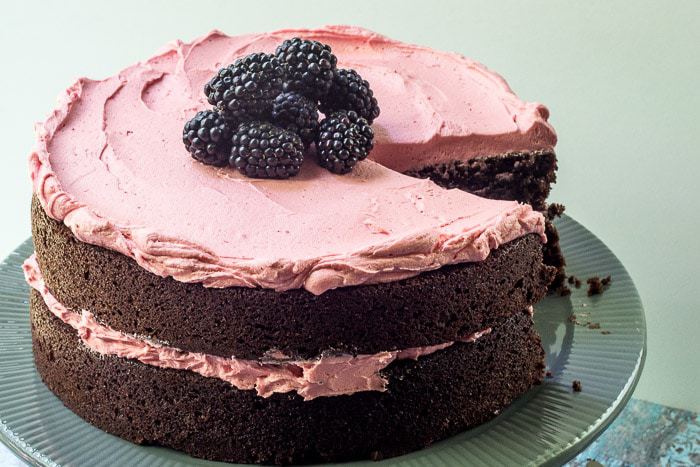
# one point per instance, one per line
(110, 164)
(321, 377)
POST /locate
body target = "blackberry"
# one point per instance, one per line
(296, 113)
(350, 92)
(207, 136)
(245, 90)
(262, 150)
(310, 66)
(344, 139)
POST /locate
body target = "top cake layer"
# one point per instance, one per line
(110, 164)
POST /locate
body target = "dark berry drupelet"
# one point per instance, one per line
(262, 150)
(245, 90)
(344, 139)
(350, 92)
(296, 113)
(310, 66)
(207, 136)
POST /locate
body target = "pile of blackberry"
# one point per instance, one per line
(265, 113)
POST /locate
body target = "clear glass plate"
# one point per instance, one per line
(548, 425)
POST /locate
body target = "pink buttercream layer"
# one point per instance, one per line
(321, 377)
(110, 164)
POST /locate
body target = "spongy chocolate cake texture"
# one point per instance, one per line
(429, 399)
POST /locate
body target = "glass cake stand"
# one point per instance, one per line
(603, 348)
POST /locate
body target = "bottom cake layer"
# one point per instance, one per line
(427, 400)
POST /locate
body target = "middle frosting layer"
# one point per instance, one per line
(111, 165)
(331, 375)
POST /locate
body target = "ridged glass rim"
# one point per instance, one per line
(538, 429)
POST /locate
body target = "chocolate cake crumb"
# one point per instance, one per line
(548, 374)
(575, 281)
(564, 291)
(576, 385)
(597, 286)
(588, 324)
(554, 210)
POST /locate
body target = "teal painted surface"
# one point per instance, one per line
(646, 434)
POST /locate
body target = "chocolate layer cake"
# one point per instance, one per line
(320, 318)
